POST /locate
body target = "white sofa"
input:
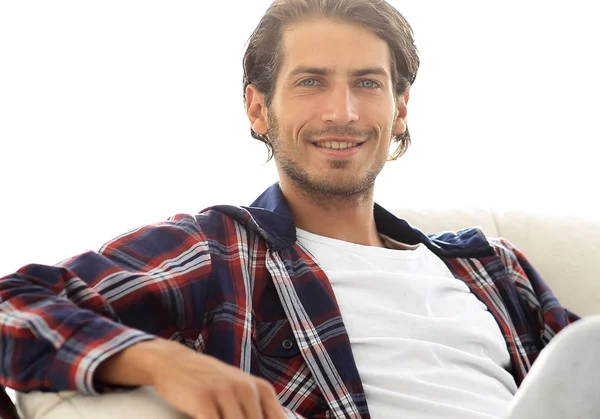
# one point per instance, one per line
(563, 249)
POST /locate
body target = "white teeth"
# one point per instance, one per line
(335, 145)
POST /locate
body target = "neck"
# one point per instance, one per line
(347, 218)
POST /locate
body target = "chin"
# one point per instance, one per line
(340, 185)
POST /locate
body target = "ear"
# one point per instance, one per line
(256, 110)
(400, 122)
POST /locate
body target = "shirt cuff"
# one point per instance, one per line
(77, 359)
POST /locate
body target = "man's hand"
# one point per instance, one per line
(192, 383)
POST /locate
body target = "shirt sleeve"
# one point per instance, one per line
(535, 294)
(58, 323)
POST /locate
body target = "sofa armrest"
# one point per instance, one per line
(139, 403)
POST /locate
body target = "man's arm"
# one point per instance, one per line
(58, 323)
(535, 293)
(96, 320)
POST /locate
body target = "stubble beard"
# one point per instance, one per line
(343, 189)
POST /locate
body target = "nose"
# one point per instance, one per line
(340, 107)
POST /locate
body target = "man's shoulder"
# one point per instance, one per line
(462, 235)
(219, 221)
(476, 240)
(465, 242)
(212, 221)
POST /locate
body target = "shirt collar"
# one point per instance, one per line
(271, 217)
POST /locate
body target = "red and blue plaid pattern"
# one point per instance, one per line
(232, 282)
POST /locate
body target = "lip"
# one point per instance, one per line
(347, 152)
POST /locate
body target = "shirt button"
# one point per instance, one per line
(287, 344)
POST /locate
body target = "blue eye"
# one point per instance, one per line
(308, 82)
(370, 84)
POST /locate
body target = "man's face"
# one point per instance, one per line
(333, 111)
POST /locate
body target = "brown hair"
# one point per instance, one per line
(263, 55)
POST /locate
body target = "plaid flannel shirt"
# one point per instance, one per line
(234, 283)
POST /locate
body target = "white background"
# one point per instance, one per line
(120, 113)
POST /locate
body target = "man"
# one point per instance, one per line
(313, 301)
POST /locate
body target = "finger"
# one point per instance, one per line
(249, 398)
(230, 408)
(270, 405)
(208, 409)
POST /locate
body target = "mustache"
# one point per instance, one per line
(341, 131)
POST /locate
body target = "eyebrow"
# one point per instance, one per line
(322, 71)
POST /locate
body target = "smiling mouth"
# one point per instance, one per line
(336, 145)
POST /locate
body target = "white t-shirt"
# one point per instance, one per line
(424, 345)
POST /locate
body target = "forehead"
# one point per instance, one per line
(332, 44)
